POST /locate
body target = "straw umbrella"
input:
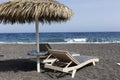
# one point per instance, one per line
(44, 11)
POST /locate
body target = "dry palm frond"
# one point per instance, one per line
(22, 11)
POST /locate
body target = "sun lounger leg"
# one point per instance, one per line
(73, 73)
(93, 63)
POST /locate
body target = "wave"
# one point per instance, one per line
(17, 42)
(87, 40)
(76, 40)
(66, 40)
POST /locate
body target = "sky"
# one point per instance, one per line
(89, 16)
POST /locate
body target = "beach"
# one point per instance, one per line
(15, 64)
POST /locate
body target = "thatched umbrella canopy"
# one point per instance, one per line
(22, 11)
(44, 11)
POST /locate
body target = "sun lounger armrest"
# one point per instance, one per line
(75, 54)
(49, 60)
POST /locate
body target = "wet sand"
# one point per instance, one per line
(15, 64)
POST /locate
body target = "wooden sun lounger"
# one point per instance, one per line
(66, 62)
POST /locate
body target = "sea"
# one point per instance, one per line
(65, 37)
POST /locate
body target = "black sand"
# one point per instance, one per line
(15, 64)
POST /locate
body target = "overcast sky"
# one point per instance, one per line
(89, 16)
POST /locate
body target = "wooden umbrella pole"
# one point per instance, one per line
(37, 43)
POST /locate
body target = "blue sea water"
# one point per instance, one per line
(61, 37)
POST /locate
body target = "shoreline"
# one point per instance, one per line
(60, 42)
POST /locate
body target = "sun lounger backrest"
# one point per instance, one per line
(63, 56)
(44, 47)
